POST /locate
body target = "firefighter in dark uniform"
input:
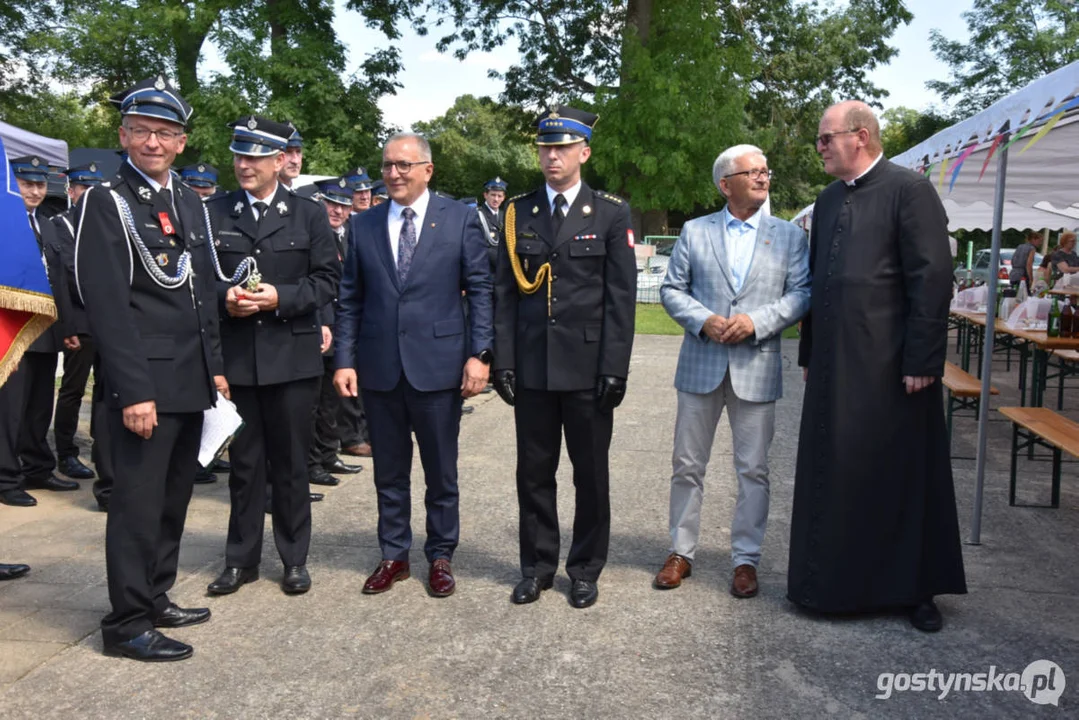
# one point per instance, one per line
(565, 294)
(361, 188)
(493, 217)
(79, 348)
(38, 365)
(202, 177)
(322, 460)
(278, 253)
(293, 159)
(145, 274)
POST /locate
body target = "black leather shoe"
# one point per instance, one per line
(175, 616)
(583, 594)
(10, 572)
(51, 482)
(73, 468)
(318, 476)
(529, 589)
(18, 498)
(315, 497)
(204, 476)
(467, 409)
(340, 467)
(231, 579)
(296, 580)
(103, 505)
(220, 465)
(926, 617)
(151, 646)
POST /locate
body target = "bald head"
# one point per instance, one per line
(849, 139)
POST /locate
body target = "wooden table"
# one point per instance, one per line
(1065, 292)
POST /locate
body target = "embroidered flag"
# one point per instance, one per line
(629, 237)
(26, 303)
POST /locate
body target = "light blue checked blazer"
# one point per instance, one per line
(775, 295)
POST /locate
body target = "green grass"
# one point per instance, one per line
(652, 319)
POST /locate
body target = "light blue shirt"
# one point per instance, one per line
(741, 239)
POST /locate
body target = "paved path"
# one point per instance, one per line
(692, 652)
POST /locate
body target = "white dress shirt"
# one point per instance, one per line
(394, 221)
(741, 239)
(251, 200)
(570, 195)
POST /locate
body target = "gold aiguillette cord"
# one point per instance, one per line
(544, 272)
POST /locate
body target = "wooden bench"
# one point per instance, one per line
(1041, 426)
(1066, 365)
(964, 393)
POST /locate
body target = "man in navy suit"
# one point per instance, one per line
(407, 264)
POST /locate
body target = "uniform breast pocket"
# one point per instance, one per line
(159, 347)
(582, 249)
(291, 252)
(530, 248)
(232, 248)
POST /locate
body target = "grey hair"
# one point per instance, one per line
(420, 140)
(724, 164)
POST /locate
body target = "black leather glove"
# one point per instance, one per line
(609, 392)
(506, 385)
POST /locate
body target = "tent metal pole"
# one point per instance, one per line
(987, 351)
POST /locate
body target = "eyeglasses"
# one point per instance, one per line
(165, 136)
(404, 167)
(754, 174)
(826, 139)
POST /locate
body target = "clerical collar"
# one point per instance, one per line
(251, 199)
(851, 183)
(153, 183)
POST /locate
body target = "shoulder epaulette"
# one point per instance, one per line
(608, 197)
(522, 195)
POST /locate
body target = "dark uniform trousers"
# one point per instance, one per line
(352, 422)
(39, 386)
(11, 405)
(147, 509)
(324, 444)
(153, 344)
(274, 367)
(99, 432)
(276, 432)
(77, 366)
(557, 349)
(541, 415)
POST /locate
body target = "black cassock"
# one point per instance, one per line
(874, 522)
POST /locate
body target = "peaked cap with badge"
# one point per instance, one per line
(496, 184)
(565, 125)
(358, 179)
(88, 174)
(295, 140)
(32, 168)
(156, 98)
(335, 190)
(255, 136)
(199, 175)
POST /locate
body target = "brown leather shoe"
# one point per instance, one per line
(674, 569)
(744, 584)
(387, 573)
(440, 581)
(361, 450)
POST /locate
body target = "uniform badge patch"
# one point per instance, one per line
(252, 124)
(162, 259)
(629, 237)
(238, 208)
(535, 209)
(586, 210)
(144, 192)
(159, 84)
(282, 208)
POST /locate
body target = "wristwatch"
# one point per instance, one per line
(485, 356)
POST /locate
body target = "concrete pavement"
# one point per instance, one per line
(691, 652)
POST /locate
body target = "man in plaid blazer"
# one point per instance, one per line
(736, 279)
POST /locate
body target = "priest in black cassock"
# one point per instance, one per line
(874, 525)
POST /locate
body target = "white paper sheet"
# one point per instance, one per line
(219, 425)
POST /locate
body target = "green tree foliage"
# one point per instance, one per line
(1011, 43)
(903, 128)
(478, 139)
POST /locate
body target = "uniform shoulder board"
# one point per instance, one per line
(608, 197)
(515, 198)
(308, 198)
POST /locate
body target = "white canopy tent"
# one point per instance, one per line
(1017, 156)
(19, 142)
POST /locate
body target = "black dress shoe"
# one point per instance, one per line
(220, 465)
(204, 476)
(175, 616)
(467, 409)
(296, 580)
(340, 467)
(51, 482)
(315, 497)
(926, 617)
(10, 572)
(151, 646)
(103, 505)
(73, 468)
(231, 579)
(583, 594)
(529, 589)
(19, 498)
(318, 476)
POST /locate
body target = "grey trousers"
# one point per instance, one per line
(752, 428)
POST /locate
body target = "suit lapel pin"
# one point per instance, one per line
(162, 259)
(586, 210)
(144, 192)
(282, 208)
(432, 224)
(172, 243)
(535, 209)
(237, 208)
(526, 264)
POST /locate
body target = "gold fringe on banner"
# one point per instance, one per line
(43, 310)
